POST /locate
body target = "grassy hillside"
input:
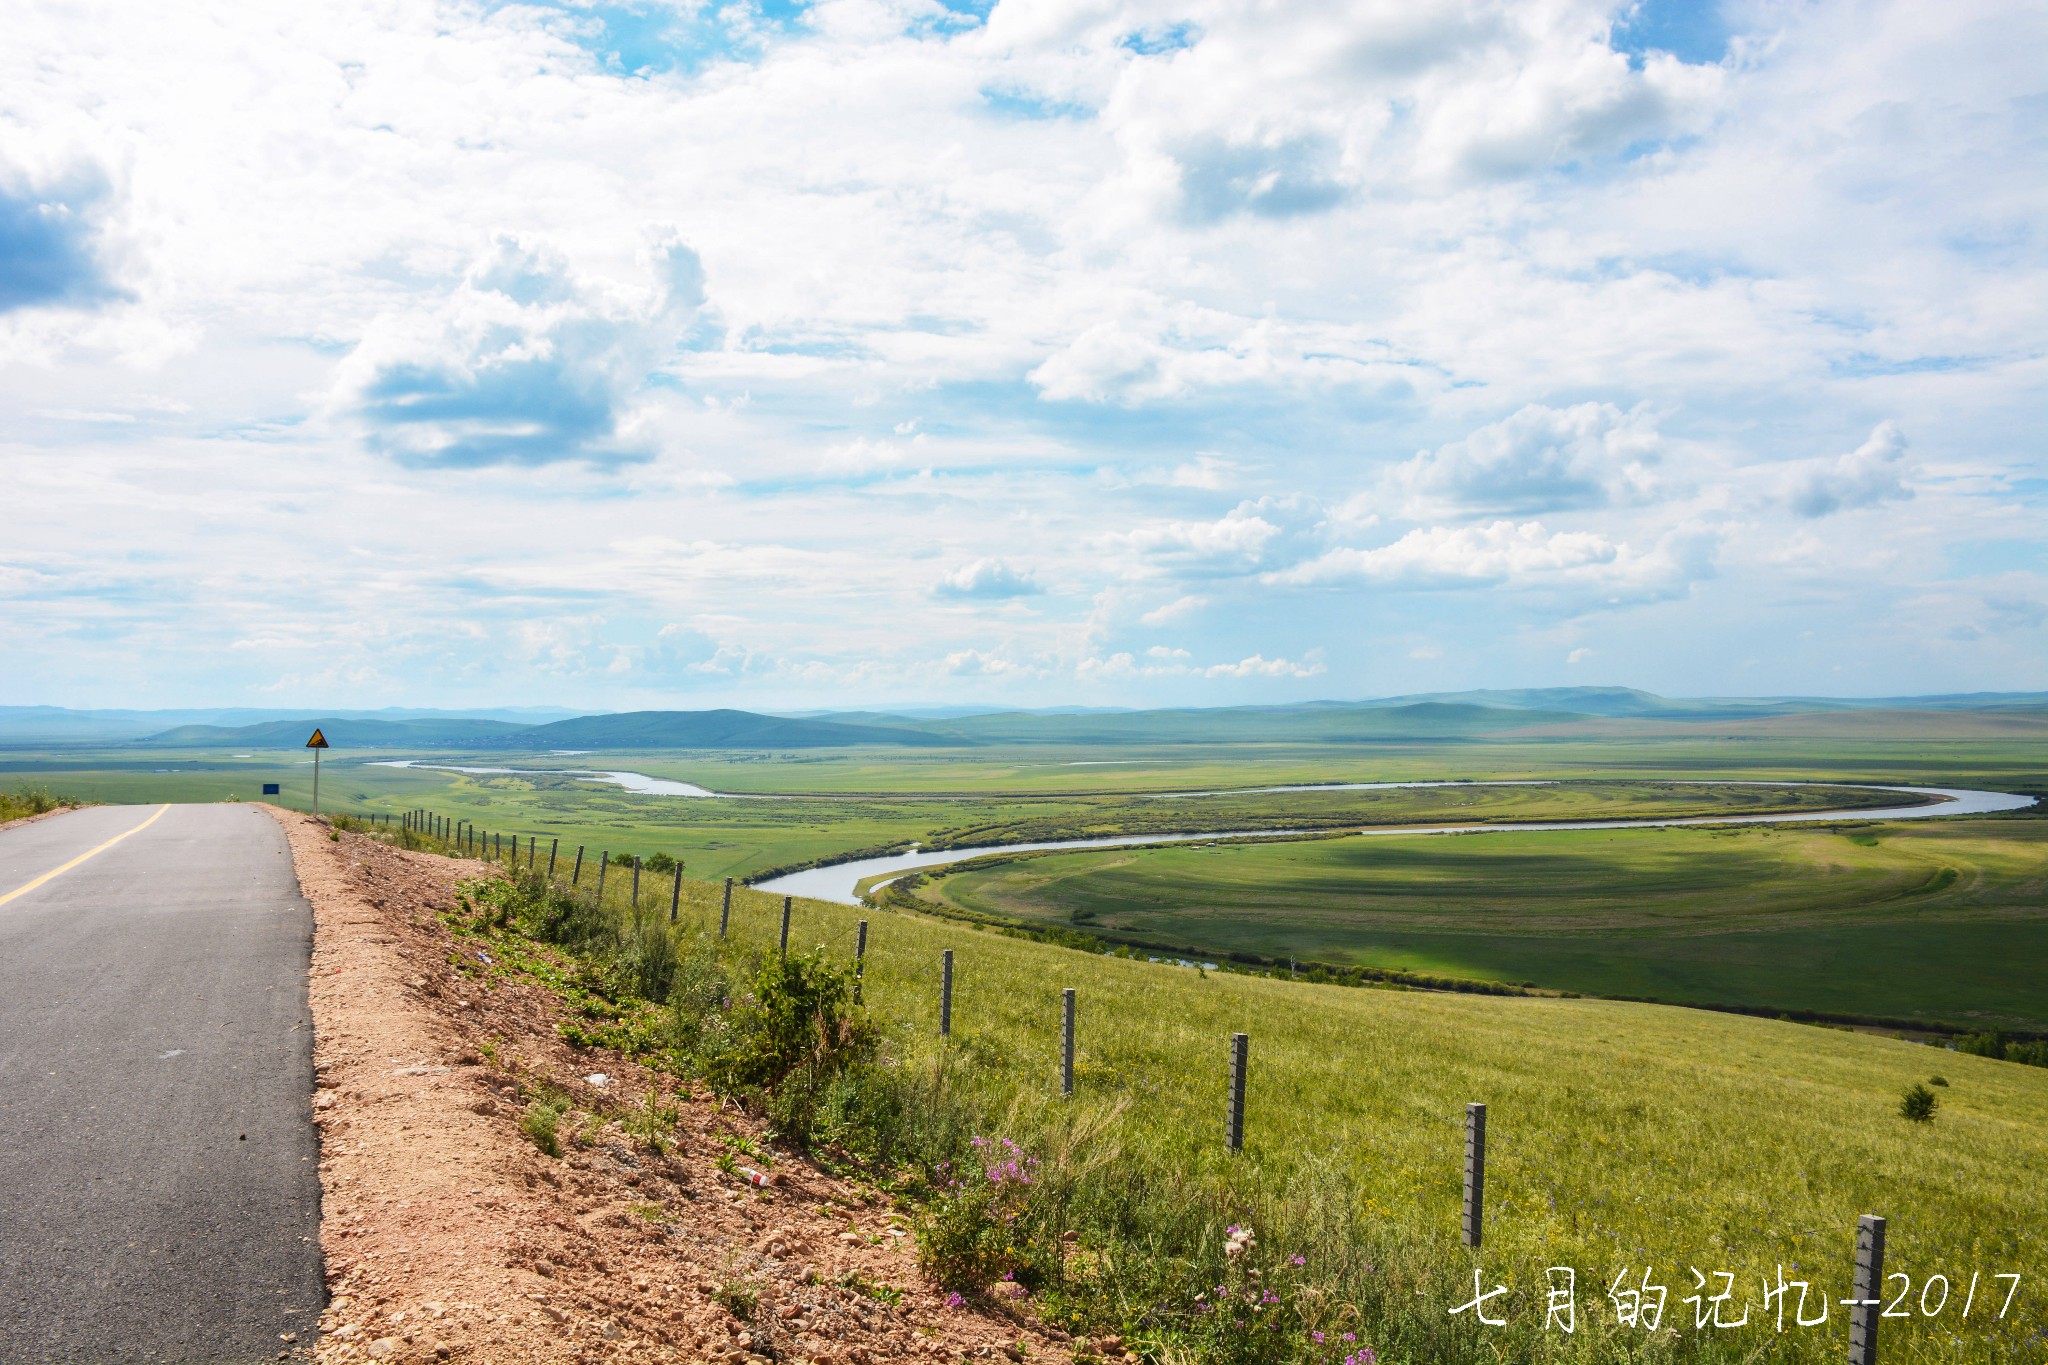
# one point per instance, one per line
(1624, 1139)
(710, 730)
(341, 732)
(1944, 921)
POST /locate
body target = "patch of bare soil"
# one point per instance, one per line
(450, 1236)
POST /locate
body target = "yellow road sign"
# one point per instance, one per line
(318, 741)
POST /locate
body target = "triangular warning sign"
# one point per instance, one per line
(318, 741)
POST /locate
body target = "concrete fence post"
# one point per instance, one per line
(1233, 1118)
(1867, 1290)
(785, 926)
(725, 908)
(1474, 1223)
(860, 958)
(1067, 1042)
(946, 994)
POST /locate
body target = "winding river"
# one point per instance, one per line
(837, 881)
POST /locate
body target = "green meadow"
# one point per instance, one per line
(1940, 921)
(1624, 1140)
(1934, 922)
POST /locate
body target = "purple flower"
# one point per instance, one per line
(1317, 1337)
(954, 1301)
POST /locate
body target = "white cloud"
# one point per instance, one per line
(986, 580)
(1499, 551)
(1540, 459)
(1252, 535)
(1866, 476)
(1177, 610)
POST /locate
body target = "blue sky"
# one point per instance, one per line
(683, 353)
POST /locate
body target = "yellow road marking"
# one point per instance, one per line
(89, 853)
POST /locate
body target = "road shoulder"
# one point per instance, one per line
(450, 1236)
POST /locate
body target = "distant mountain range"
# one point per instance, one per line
(1430, 716)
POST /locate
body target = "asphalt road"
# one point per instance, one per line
(159, 1173)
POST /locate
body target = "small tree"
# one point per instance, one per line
(1918, 1104)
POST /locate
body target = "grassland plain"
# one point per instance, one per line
(1625, 1139)
(1944, 921)
(869, 799)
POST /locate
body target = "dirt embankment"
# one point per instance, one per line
(450, 1236)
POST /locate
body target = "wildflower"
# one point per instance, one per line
(1317, 1337)
(954, 1301)
(1298, 1260)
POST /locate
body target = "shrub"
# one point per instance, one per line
(1990, 1044)
(800, 1017)
(26, 800)
(976, 1231)
(542, 1123)
(1918, 1104)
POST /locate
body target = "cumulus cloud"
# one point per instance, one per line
(1446, 555)
(1540, 459)
(1868, 475)
(1256, 534)
(523, 363)
(1163, 662)
(986, 580)
(50, 254)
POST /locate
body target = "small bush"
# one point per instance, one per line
(25, 800)
(1918, 1104)
(1937, 1080)
(801, 1016)
(977, 1229)
(542, 1123)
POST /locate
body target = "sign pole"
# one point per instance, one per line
(316, 744)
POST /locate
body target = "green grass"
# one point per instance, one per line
(868, 799)
(26, 800)
(1621, 1136)
(1943, 921)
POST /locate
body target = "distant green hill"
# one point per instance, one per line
(712, 730)
(342, 732)
(1314, 723)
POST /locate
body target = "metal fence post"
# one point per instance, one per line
(725, 908)
(1475, 1173)
(675, 897)
(946, 994)
(785, 926)
(1867, 1289)
(860, 958)
(1233, 1117)
(1067, 1042)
